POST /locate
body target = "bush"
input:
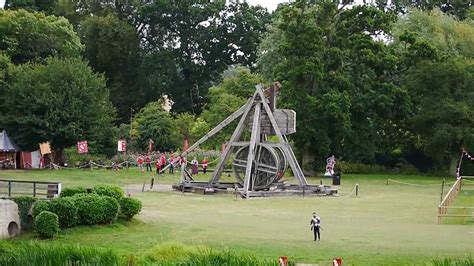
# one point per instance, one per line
(46, 224)
(109, 190)
(130, 207)
(110, 209)
(66, 210)
(24, 205)
(69, 192)
(359, 168)
(89, 208)
(39, 206)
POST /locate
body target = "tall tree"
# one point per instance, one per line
(61, 101)
(336, 72)
(34, 36)
(112, 47)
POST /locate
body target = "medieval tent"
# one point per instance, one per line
(8, 152)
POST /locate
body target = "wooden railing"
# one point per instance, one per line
(15, 188)
(445, 204)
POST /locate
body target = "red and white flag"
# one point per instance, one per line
(122, 145)
(150, 145)
(82, 147)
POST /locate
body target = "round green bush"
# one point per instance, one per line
(66, 210)
(109, 190)
(110, 209)
(39, 206)
(89, 208)
(69, 192)
(130, 207)
(46, 224)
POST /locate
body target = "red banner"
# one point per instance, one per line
(82, 147)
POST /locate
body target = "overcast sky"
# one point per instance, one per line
(269, 4)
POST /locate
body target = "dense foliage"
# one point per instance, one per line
(24, 206)
(71, 191)
(46, 224)
(109, 190)
(66, 210)
(130, 207)
(42, 253)
(39, 206)
(89, 208)
(110, 209)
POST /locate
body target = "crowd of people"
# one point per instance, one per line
(162, 163)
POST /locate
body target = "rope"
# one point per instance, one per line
(352, 192)
(419, 185)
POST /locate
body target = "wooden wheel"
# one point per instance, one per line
(269, 166)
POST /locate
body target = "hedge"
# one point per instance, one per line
(39, 206)
(110, 209)
(69, 192)
(89, 208)
(66, 210)
(130, 207)
(109, 190)
(46, 224)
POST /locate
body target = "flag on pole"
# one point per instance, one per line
(45, 148)
(82, 147)
(150, 145)
(122, 145)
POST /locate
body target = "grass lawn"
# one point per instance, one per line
(391, 224)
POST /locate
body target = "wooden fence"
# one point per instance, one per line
(447, 201)
(15, 188)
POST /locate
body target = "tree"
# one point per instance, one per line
(459, 8)
(153, 122)
(203, 39)
(338, 76)
(46, 6)
(112, 48)
(61, 101)
(34, 36)
(444, 118)
(447, 35)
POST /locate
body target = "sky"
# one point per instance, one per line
(269, 4)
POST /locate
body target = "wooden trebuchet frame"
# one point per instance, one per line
(258, 163)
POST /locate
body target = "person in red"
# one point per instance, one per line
(204, 165)
(140, 163)
(158, 166)
(162, 160)
(148, 162)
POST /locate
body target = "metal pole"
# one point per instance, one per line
(34, 189)
(357, 190)
(9, 188)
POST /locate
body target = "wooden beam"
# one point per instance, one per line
(254, 139)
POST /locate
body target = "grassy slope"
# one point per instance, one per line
(393, 224)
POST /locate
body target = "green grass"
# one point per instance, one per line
(385, 225)
(465, 198)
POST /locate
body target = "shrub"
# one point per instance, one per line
(39, 206)
(66, 210)
(110, 209)
(109, 190)
(130, 207)
(24, 205)
(89, 208)
(69, 192)
(46, 224)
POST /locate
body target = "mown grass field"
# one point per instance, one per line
(393, 224)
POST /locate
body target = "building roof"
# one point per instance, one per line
(7, 144)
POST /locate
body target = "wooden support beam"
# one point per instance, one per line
(254, 139)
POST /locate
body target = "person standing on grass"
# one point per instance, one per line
(171, 162)
(140, 163)
(316, 226)
(162, 161)
(205, 162)
(148, 162)
(194, 166)
(158, 166)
